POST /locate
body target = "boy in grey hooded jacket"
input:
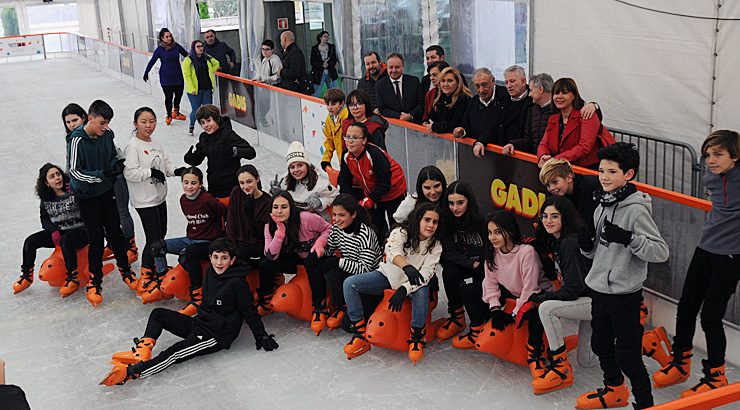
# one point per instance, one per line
(627, 239)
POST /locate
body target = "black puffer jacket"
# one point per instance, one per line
(224, 150)
(227, 301)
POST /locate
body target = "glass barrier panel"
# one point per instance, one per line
(266, 111)
(52, 43)
(140, 61)
(395, 142)
(290, 126)
(425, 149)
(69, 43)
(114, 58)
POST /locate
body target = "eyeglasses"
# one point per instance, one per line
(352, 138)
(266, 49)
(552, 217)
(356, 105)
(199, 46)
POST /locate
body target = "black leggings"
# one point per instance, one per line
(100, 215)
(617, 341)
(70, 241)
(453, 276)
(172, 93)
(154, 222)
(710, 282)
(335, 277)
(287, 263)
(192, 345)
(194, 254)
(379, 214)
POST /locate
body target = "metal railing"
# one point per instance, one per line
(667, 164)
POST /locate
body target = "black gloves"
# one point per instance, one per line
(536, 297)
(585, 242)
(413, 274)
(325, 164)
(275, 186)
(613, 233)
(396, 302)
(158, 246)
(500, 319)
(249, 207)
(158, 176)
(548, 266)
(146, 76)
(266, 342)
(330, 263)
(116, 168)
(179, 171)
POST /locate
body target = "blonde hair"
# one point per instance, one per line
(553, 168)
(461, 88)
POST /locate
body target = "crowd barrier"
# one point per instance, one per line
(501, 182)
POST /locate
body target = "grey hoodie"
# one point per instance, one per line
(618, 269)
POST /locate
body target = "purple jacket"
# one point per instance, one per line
(170, 72)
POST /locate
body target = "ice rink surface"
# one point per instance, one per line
(58, 350)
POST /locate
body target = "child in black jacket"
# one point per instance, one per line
(224, 149)
(227, 301)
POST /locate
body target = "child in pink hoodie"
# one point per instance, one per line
(292, 237)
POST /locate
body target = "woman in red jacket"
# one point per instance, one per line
(568, 135)
(370, 174)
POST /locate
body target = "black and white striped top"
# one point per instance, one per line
(360, 252)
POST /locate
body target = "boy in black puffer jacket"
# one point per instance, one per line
(224, 149)
(227, 301)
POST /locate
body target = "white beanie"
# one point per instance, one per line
(296, 153)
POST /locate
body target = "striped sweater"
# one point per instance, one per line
(360, 252)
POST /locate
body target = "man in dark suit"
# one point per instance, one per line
(294, 63)
(399, 95)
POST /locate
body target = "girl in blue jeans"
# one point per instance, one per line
(411, 256)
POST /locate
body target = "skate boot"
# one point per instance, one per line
(108, 254)
(334, 321)
(177, 115)
(129, 278)
(141, 353)
(644, 313)
(71, 284)
(453, 325)
(714, 377)
(94, 292)
(319, 317)
(155, 294)
(120, 374)
(535, 361)
(677, 371)
(416, 343)
(147, 278)
(264, 303)
(168, 120)
(558, 374)
(467, 341)
(359, 343)
(25, 280)
(133, 252)
(652, 347)
(606, 397)
(196, 298)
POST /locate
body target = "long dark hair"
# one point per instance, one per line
(362, 98)
(251, 170)
(44, 191)
(429, 172)
(311, 178)
(292, 224)
(571, 220)
(472, 214)
(351, 205)
(73, 109)
(506, 222)
(411, 226)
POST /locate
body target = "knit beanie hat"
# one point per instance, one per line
(296, 153)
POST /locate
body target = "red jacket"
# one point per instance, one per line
(380, 176)
(578, 144)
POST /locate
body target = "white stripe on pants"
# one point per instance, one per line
(180, 354)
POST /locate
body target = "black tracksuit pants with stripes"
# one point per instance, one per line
(192, 345)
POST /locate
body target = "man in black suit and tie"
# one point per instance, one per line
(399, 95)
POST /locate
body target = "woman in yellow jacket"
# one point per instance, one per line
(198, 69)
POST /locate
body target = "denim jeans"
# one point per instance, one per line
(374, 283)
(120, 188)
(551, 311)
(325, 79)
(202, 98)
(173, 246)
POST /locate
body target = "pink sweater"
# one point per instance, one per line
(314, 231)
(519, 271)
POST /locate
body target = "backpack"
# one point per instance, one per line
(605, 138)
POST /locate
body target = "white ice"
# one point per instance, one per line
(58, 350)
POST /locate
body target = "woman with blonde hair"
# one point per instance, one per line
(450, 103)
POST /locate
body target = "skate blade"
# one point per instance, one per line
(552, 389)
(351, 356)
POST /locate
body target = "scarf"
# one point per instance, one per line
(169, 47)
(611, 198)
